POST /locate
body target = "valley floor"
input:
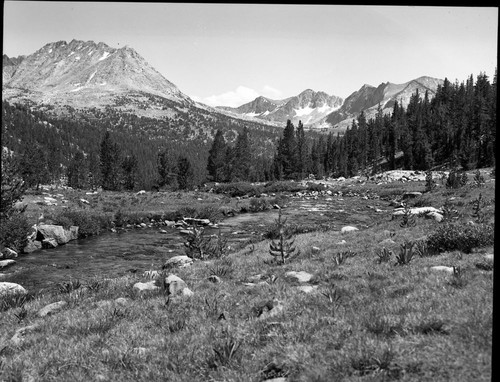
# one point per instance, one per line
(350, 306)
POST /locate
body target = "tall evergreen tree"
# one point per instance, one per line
(129, 168)
(217, 158)
(77, 172)
(110, 164)
(185, 175)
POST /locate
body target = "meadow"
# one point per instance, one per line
(368, 305)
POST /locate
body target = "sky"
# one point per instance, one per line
(229, 54)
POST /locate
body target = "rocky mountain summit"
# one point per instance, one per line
(368, 98)
(84, 74)
(308, 107)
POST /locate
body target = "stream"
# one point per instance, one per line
(112, 255)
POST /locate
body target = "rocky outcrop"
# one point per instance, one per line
(8, 253)
(180, 261)
(177, 287)
(6, 263)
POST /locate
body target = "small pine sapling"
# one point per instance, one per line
(478, 179)
(283, 249)
(408, 217)
(406, 254)
(196, 243)
(478, 205)
(430, 183)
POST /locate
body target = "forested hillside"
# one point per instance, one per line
(117, 150)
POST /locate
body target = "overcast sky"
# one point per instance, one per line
(228, 54)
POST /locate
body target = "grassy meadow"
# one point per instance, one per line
(373, 310)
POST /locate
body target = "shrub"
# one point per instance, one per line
(196, 244)
(408, 217)
(90, 223)
(406, 254)
(14, 232)
(384, 255)
(259, 204)
(478, 179)
(455, 236)
(456, 179)
(430, 184)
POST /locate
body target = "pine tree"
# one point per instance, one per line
(77, 171)
(33, 165)
(217, 158)
(129, 167)
(185, 175)
(302, 151)
(110, 164)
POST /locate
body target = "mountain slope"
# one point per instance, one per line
(308, 107)
(368, 97)
(83, 74)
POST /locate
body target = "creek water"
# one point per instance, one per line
(137, 250)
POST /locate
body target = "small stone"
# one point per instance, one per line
(6, 263)
(8, 253)
(307, 288)
(316, 250)
(435, 215)
(442, 268)
(122, 301)
(342, 242)
(150, 285)
(348, 229)
(51, 308)
(301, 276)
(180, 261)
(84, 201)
(142, 192)
(270, 309)
(163, 231)
(177, 286)
(387, 242)
(215, 279)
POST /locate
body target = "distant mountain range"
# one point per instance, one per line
(308, 107)
(87, 74)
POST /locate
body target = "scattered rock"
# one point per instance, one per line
(49, 243)
(411, 195)
(163, 231)
(6, 263)
(177, 286)
(442, 268)
(169, 223)
(215, 279)
(342, 242)
(348, 228)
(11, 288)
(417, 211)
(387, 242)
(315, 250)
(435, 215)
(193, 221)
(32, 246)
(142, 192)
(180, 261)
(8, 253)
(307, 288)
(84, 201)
(260, 283)
(270, 309)
(18, 337)
(301, 276)
(150, 285)
(123, 301)
(51, 308)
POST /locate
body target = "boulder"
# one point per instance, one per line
(57, 232)
(150, 285)
(11, 288)
(301, 276)
(271, 309)
(8, 253)
(123, 301)
(316, 250)
(51, 308)
(180, 261)
(32, 246)
(6, 263)
(417, 211)
(142, 192)
(177, 287)
(435, 215)
(348, 229)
